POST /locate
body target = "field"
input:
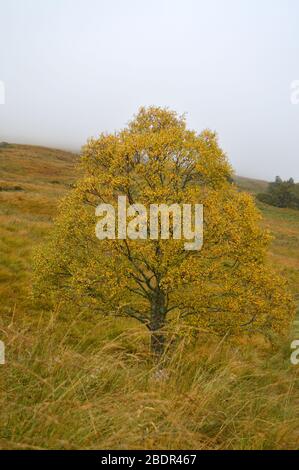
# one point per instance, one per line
(72, 381)
(284, 227)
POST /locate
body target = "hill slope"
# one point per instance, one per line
(69, 385)
(33, 179)
(251, 185)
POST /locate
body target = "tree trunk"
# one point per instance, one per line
(158, 316)
(157, 344)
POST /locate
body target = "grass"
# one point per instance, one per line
(251, 185)
(69, 390)
(71, 381)
(26, 216)
(284, 227)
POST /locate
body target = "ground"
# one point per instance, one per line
(71, 381)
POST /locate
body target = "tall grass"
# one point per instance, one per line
(67, 385)
(71, 381)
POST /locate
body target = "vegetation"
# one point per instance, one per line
(250, 185)
(68, 386)
(72, 380)
(224, 288)
(281, 194)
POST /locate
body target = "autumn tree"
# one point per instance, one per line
(224, 287)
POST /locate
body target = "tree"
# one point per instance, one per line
(224, 287)
(281, 194)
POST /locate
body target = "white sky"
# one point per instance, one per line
(75, 68)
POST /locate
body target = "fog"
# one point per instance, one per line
(74, 68)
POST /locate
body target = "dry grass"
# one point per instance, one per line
(71, 381)
(69, 388)
(251, 185)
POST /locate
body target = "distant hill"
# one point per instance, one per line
(32, 164)
(33, 178)
(251, 185)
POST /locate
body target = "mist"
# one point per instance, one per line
(72, 69)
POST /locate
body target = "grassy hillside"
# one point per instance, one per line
(251, 185)
(71, 381)
(284, 226)
(32, 180)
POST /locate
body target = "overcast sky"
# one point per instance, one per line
(75, 68)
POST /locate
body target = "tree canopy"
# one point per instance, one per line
(281, 194)
(226, 286)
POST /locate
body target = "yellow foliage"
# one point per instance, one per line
(225, 287)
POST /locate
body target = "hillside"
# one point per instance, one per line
(251, 185)
(284, 227)
(33, 179)
(72, 381)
